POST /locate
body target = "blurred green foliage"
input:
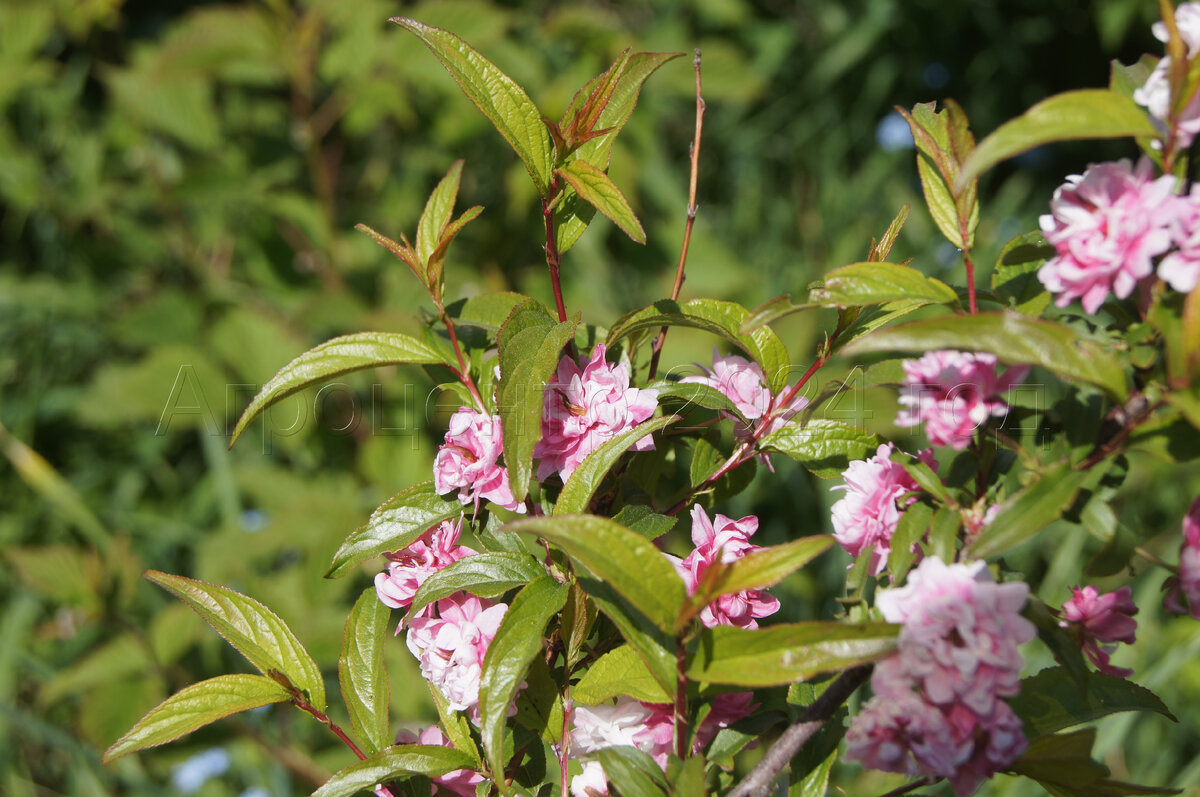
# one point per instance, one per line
(178, 188)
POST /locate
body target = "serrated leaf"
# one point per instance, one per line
(394, 525)
(771, 311)
(697, 393)
(824, 447)
(502, 101)
(438, 255)
(253, 629)
(876, 283)
(392, 764)
(655, 646)
(196, 706)
(334, 358)
(402, 251)
(645, 521)
(1015, 281)
(362, 672)
(487, 311)
(1013, 338)
(720, 318)
(882, 248)
(762, 569)
(632, 772)
(1073, 115)
(439, 209)
(595, 187)
(1031, 509)
(1052, 700)
(785, 653)
(585, 480)
(487, 575)
(620, 671)
(626, 560)
(518, 640)
(529, 344)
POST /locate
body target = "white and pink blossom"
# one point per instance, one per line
(459, 781)
(451, 643)
(724, 540)
(877, 491)
(1100, 621)
(1107, 226)
(954, 393)
(407, 569)
(743, 383)
(1155, 94)
(469, 461)
(586, 407)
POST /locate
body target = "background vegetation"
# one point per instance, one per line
(179, 183)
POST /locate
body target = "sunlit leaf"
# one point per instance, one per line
(394, 764)
(486, 574)
(362, 672)
(585, 480)
(601, 193)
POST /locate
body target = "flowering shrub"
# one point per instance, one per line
(570, 650)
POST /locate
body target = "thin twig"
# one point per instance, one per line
(681, 725)
(464, 372)
(553, 258)
(691, 215)
(910, 787)
(758, 782)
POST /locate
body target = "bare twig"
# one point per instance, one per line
(758, 782)
(691, 215)
(910, 787)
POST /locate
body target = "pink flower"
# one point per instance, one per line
(1155, 93)
(1100, 619)
(450, 647)
(1107, 225)
(937, 709)
(586, 408)
(408, 569)
(867, 516)
(591, 782)
(1181, 267)
(1187, 583)
(960, 635)
(459, 781)
(954, 393)
(468, 461)
(726, 540)
(743, 383)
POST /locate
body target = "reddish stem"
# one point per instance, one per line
(464, 373)
(553, 258)
(974, 308)
(681, 728)
(565, 753)
(302, 704)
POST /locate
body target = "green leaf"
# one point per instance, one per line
(1073, 115)
(654, 645)
(629, 562)
(1029, 510)
(645, 521)
(502, 101)
(1052, 700)
(439, 209)
(401, 250)
(1064, 759)
(518, 640)
(451, 231)
(632, 772)
(362, 672)
(196, 706)
(771, 311)
(1013, 338)
(701, 395)
(876, 283)
(488, 311)
(822, 446)
(600, 192)
(529, 344)
(620, 671)
(762, 569)
(334, 358)
(782, 654)
(943, 140)
(394, 763)
(585, 480)
(253, 629)
(720, 318)
(914, 522)
(397, 522)
(486, 574)
(1015, 281)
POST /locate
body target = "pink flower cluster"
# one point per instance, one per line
(408, 569)
(877, 491)
(954, 393)
(468, 461)
(743, 383)
(1097, 619)
(937, 709)
(450, 645)
(1187, 584)
(726, 540)
(585, 408)
(459, 781)
(649, 727)
(1155, 93)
